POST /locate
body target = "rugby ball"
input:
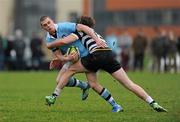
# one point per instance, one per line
(71, 50)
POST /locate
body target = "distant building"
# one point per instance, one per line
(109, 14)
(114, 14)
(28, 12)
(25, 14)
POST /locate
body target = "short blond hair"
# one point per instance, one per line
(43, 18)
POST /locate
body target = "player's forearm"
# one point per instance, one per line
(60, 42)
(88, 31)
(55, 44)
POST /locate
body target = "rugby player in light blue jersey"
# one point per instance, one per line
(101, 58)
(59, 31)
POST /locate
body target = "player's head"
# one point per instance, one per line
(47, 24)
(90, 22)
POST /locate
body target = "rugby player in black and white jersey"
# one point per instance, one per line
(101, 58)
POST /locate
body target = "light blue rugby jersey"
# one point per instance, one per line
(64, 29)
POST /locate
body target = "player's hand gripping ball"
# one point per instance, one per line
(74, 52)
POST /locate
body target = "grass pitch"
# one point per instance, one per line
(22, 99)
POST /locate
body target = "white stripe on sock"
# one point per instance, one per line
(149, 99)
(57, 91)
(111, 99)
(77, 82)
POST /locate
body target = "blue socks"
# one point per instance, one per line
(105, 94)
(73, 82)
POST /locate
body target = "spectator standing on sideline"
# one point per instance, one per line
(172, 51)
(159, 47)
(125, 42)
(10, 53)
(19, 47)
(178, 49)
(2, 53)
(178, 45)
(112, 42)
(37, 53)
(139, 46)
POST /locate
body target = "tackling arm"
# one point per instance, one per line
(90, 32)
(60, 42)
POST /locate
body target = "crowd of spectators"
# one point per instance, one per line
(161, 52)
(20, 53)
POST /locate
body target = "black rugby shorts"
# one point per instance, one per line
(101, 59)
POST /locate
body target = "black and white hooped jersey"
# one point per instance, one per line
(88, 42)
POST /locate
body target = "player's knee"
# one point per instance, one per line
(92, 84)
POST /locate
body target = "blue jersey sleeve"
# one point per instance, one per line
(67, 27)
(48, 40)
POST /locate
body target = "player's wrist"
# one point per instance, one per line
(66, 58)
